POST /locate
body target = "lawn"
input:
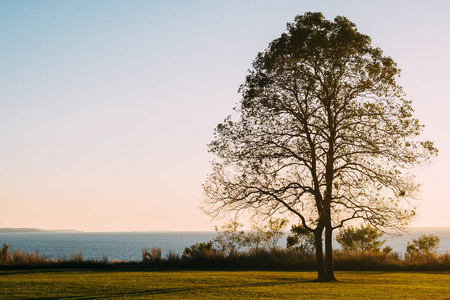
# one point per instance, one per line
(120, 284)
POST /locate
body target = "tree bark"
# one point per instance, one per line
(319, 253)
(329, 265)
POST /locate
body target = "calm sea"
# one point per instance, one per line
(128, 245)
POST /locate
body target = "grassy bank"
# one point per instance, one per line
(273, 260)
(135, 284)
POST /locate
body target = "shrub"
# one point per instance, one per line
(425, 245)
(76, 257)
(387, 249)
(20, 257)
(171, 256)
(154, 255)
(364, 238)
(5, 253)
(199, 250)
(368, 260)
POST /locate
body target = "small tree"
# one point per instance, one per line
(257, 238)
(301, 240)
(425, 245)
(199, 250)
(364, 238)
(265, 236)
(230, 238)
(275, 231)
(5, 253)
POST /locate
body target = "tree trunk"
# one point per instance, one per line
(329, 265)
(319, 253)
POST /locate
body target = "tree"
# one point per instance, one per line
(265, 236)
(230, 238)
(425, 245)
(301, 240)
(275, 231)
(364, 238)
(256, 239)
(325, 134)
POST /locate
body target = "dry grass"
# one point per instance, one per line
(275, 259)
(17, 257)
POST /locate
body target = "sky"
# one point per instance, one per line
(107, 107)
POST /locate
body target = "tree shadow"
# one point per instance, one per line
(273, 281)
(213, 287)
(162, 291)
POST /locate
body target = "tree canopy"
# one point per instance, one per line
(325, 134)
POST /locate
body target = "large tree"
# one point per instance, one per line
(325, 134)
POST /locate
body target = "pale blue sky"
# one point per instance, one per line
(106, 107)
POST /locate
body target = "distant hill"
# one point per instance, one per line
(33, 230)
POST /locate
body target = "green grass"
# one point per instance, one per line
(136, 284)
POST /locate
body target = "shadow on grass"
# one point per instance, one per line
(125, 294)
(213, 287)
(163, 291)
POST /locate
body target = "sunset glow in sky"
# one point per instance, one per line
(106, 107)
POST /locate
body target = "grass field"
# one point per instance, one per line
(122, 284)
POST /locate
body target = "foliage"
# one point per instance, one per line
(230, 238)
(205, 256)
(17, 257)
(425, 245)
(325, 135)
(275, 231)
(154, 255)
(387, 249)
(256, 239)
(301, 240)
(77, 258)
(368, 260)
(364, 239)
(5, 253)
(199, 250)
(172, 256)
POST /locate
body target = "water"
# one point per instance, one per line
(128, 245)
(113, 245)
(399, 243)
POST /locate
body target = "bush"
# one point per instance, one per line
(5, 253)
(171, 256)
(425, 245)
(387, 249)
(364, 239)
(76, 257)
(367, 261)
(154, 255)
(199, 250)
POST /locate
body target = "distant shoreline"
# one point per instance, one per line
(35, 230)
